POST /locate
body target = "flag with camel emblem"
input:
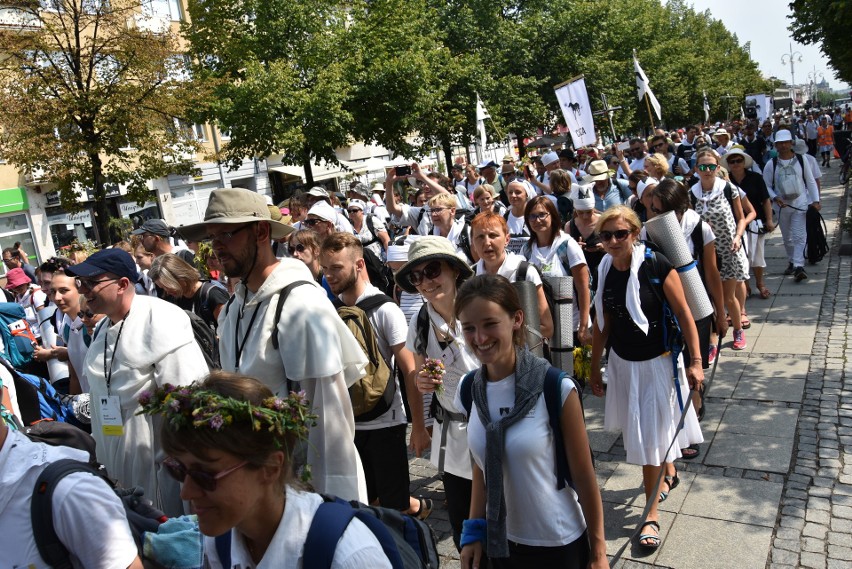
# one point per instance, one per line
(574, 102)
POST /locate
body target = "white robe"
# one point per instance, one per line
(156, 347)
(318, 350)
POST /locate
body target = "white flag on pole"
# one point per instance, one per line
(574, 102)
(481, 115)
(706, 107)
(644, 87)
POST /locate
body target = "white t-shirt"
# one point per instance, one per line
(548, 262)
(536, 512)
(517, 226)
(88, 517)
(509, 268)
(77, 349)
(680, 162)
(357, 548)
(391, 329)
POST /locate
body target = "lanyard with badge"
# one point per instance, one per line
(239, 347)
(110, 405)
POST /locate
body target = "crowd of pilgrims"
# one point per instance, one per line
(451, 247)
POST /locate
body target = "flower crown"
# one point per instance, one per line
(193, 406)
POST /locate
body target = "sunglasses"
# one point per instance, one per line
(430, 271)
(736, 161)
(89, 284)
(619, 234)
(706, 167)
(661, 145)
(312, 222)
(297, 248)
(86, 314)
(354, 210)
(205, 480)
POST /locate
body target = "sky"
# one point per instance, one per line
(764, 23)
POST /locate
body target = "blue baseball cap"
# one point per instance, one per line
(115, 261)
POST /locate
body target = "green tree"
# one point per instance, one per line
(825, 22)
(90, 99)
(302, 79)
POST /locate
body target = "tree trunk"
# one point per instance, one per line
(101, 211)
(309, 172)
(447, 147)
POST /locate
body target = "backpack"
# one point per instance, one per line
(801, 165)
(141, 515)
(553, 401)
(18, 339)
(373, 394)
(816, 246)
(380, 275)
(407, 542)
(37, 399)
(205, 337)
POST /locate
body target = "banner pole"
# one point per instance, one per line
(651, 116)
(580, 76)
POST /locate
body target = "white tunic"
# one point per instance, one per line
(156, 347)
(317, 350)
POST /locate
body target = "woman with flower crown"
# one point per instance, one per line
(229, 442)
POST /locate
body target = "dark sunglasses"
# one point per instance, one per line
(354, 210)
(205, 480)
(312, 222)
(86, 314)
(430, 271)
(661, 145)
(297, 248)
(736, 161)
(619, 234)
(706, 167)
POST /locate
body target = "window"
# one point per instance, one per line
(200, 132)
(14, 228)
(163, 8)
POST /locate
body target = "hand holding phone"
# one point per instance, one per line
(402, 171)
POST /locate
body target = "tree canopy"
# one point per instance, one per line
(92, 91)
(826, 22)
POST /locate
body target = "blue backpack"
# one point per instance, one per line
(18, 338)
(407, 542)
(37, 399)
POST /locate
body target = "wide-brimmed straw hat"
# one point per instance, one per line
(597, 170)
(737, 151)
(431, 248)
(234, 206)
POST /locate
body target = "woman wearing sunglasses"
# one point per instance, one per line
(520, 516)
(304, 245)
(641, 400)
(369, 228)
(557, 254)
(435, 271)
(229, 442)
(728, 223)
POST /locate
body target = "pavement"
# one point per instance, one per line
(772, 487)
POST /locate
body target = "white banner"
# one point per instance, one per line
(574, 102)
(643, 87)
(481, 115)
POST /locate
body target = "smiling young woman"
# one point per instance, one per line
(531, 521)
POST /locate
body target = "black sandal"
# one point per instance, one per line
(425, 509)
(697, 453)
(672, 482)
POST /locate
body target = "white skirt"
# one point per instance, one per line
(641, 403)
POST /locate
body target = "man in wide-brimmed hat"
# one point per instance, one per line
(298, 340)
(607, 192)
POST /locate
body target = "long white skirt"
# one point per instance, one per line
(641, 402)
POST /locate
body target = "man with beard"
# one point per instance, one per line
(380, 439)
(281, 328)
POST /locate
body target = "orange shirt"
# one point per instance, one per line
(848, 116)
(825, 136)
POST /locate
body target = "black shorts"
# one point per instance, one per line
(384, 455)
(704, 327)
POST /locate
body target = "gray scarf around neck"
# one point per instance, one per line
(529, 383)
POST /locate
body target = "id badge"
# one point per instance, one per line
(448, 356)
(109, 411)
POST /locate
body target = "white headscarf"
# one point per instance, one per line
(634, 308)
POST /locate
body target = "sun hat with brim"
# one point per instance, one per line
(596, 170)
(721, 132)
(233, 206)
(115, 261)
(800, 146)
(737, 151)
(154, 227)
(377, 188)
(16, 277)
(324, 211)
(431, 248)
(487, 164)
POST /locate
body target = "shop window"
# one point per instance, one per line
(16, 228)
(65, 228)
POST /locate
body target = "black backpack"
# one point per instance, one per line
(141, 515)
(205, 337)
(380, 275)
(816, 246)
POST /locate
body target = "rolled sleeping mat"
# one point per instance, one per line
(56, 369)
(562, 342)
(528, 294)
(665, 231)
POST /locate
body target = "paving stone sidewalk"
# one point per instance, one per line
(772, 487)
